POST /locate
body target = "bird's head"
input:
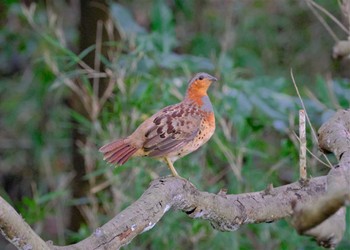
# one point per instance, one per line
(199, 85)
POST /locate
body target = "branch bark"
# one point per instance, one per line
(16, 230)
(224, 212)
(324, 218)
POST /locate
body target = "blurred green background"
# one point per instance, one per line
(70, 83)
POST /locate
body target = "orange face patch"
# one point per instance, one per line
(198, 89)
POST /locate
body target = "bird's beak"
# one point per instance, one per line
(213, 79)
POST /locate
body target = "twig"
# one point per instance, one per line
(302, 153)
(95, 109)
(322, 21)
(312, 154)
(307, 117)
(326, 12)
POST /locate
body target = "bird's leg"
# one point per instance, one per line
(171, 167)
(173, 171)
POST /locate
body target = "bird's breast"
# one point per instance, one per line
(206, 105)
(207, 127)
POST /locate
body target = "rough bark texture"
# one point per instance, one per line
(225, 212)
(16, 230)
(311, 218)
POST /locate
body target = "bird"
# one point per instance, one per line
(172, 132)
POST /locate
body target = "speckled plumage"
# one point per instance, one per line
(172, 132)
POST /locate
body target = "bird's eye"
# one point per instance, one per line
(201, 78)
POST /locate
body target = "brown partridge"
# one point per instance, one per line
(172, 132)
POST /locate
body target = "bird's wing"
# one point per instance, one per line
(172, 128)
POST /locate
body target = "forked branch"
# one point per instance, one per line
(225, 212)
(324, 218)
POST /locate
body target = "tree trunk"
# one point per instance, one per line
(91, 12)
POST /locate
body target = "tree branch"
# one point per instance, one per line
(324, 217)
(225, 212)
(16, 230)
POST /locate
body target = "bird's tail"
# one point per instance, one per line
(117, 152)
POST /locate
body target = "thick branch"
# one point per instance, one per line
(334, 135)
(312, 214)
(341, 49)
(225, 212)
(16, 230)
(324, 218)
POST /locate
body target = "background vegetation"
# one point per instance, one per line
(69, 84)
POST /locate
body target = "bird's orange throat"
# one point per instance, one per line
(196, 91)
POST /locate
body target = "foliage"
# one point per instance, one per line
(248, 45)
